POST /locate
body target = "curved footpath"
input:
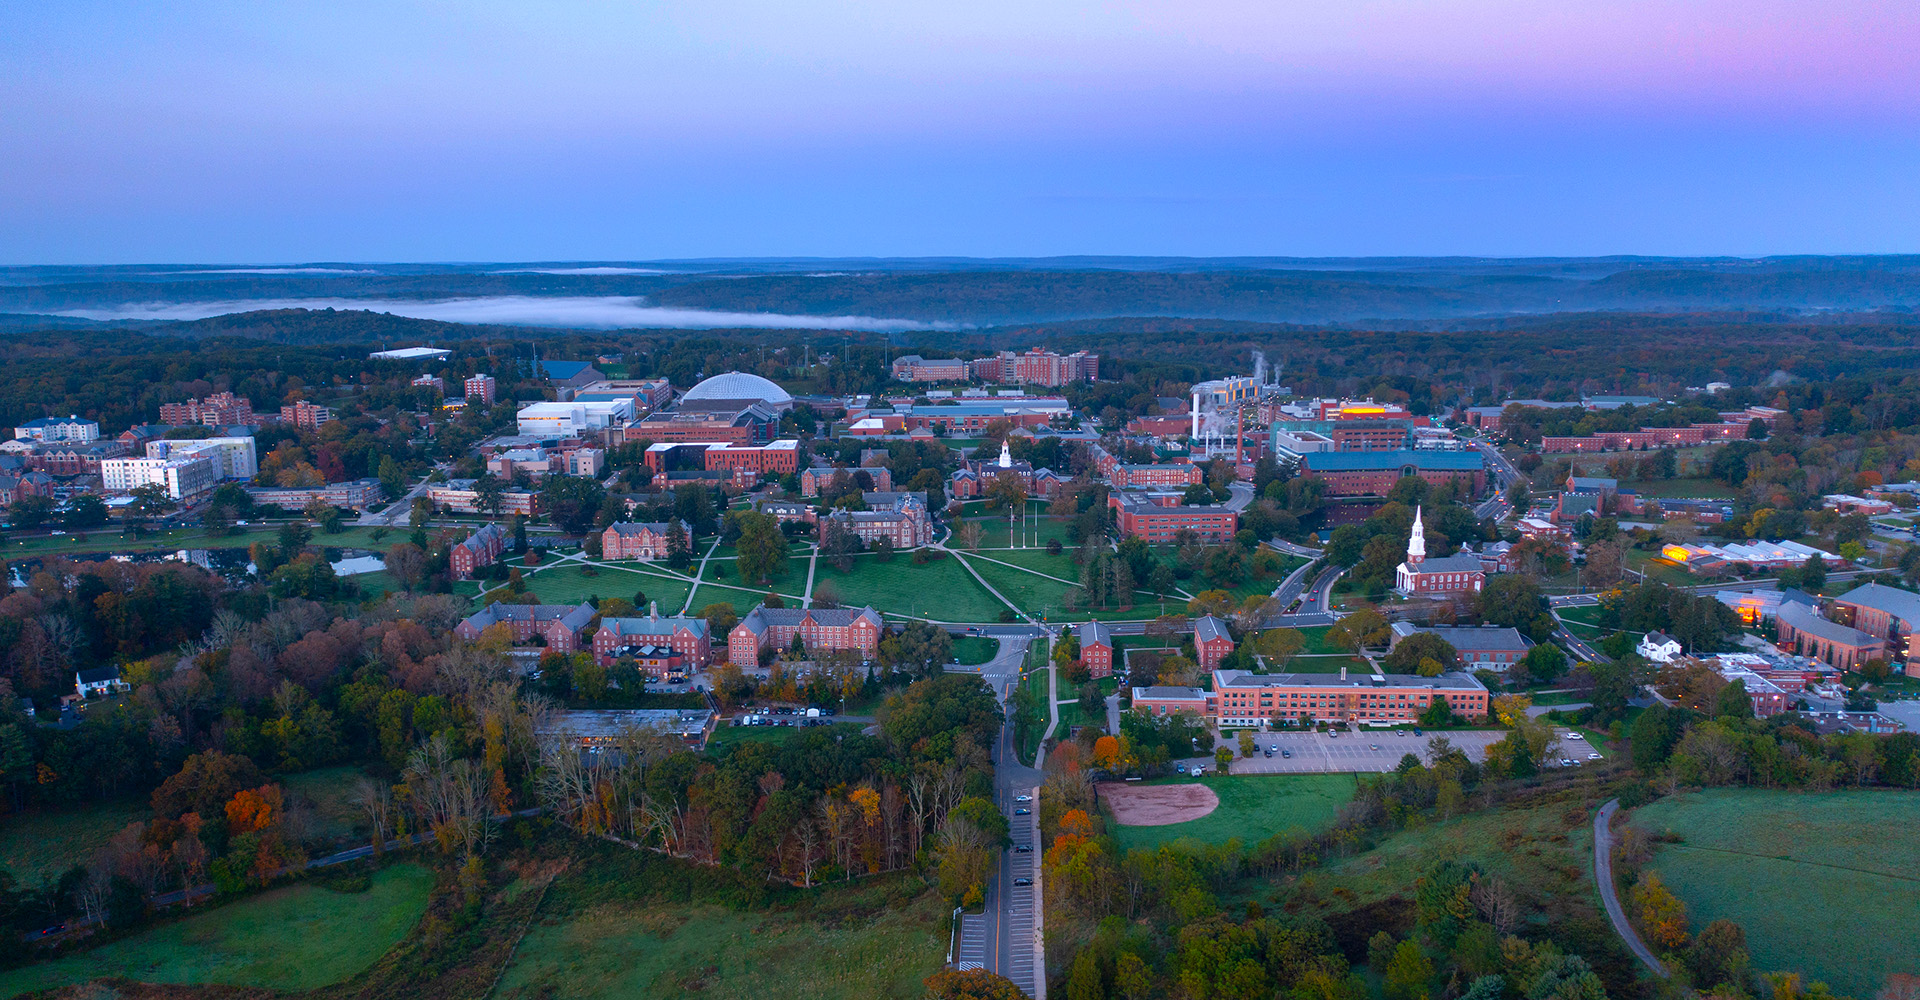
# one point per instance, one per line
(1603, 874)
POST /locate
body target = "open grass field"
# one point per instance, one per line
(1689, 487)
(1588, 616)
(1659, 570)
(109, 539)
(972, 650)
(994, 532)
(1252, 808)
(1826, 884)
(940, 590)
(299, 938)
(567, 584)
(37, 846)
(619, 950)
(1543, 851)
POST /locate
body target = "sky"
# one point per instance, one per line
(242, 132)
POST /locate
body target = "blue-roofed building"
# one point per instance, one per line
(1373, 473)
(568, 374)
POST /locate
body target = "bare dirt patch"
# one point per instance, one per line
(1157, 805)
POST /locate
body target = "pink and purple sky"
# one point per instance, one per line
(244, 132)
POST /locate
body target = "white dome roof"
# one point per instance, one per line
(739, 385)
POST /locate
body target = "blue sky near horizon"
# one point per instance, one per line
(187, 131)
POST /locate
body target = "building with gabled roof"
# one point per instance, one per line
(1888, 612)
(1211, 641)
(1096, 648)
(476, 551)
(1418, 576)
(661, 646)
(560, 627)
(819, 630)
(1802, 630)
(639, 539)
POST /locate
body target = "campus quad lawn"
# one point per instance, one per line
(1823, 882)
(995, 534)
(851, 942)
(1253, 807)
(298, 938)
(566, 584)
(108, 538)
(940, 590)
(973, 650)
(1711, 489)
(36, 847)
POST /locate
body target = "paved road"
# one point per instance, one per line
(1603, 874)
(1010, 922)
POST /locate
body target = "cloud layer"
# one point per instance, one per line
(600, 312)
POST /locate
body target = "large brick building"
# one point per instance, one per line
(1162, 476)
(1802, 630)
(476, 551)
(1887, 613)
(914, 368)
(975, 476)
(359, 494)
(222, 409)
(815, 479)
(559, 627)
(1479, 646)
(638, 539)
(661, 646)
(744, 424)
(1038, 367)
(1373, 473)
(482, 388)
(819, 629)
(305, 416)
(900, 518)
(1240, 698)
(1157, 518)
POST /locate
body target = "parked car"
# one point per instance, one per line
(1023, 882)
(1023, 812)
(1594, 756)
(1575, 736)
(1286, 753)
(1566, 762)
(1023, 848)
(1023, 798)
(1373, 746)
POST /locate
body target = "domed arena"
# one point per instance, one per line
(740, 387)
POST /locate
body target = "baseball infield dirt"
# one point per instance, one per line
(1157, 805)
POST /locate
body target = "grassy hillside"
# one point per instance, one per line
(1252, 808)
(298, 938)
(1802, 872)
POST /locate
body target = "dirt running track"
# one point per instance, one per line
(1157, 805)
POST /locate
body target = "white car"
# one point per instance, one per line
(1593, 756)
(1023, 798)
(1575, 736)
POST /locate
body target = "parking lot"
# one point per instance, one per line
(1326, 752)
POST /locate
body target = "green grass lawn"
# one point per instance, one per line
(567, 584)
(1802, 872)
(727, 736)
(1252, 808)
(939, 590)
(1543, 852)
(621, 949)
(1691, 487)
(995, 534)
(972, 650)
(109, 539)
(1322, 664)
(298, 938)
(1584, 615)
(1659, 571)
(37, 846)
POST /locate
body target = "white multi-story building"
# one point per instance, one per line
(233, 457)
(183, 478)
(580, 418)
(70, 429)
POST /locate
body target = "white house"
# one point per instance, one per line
(1659, 647)
(100, 681)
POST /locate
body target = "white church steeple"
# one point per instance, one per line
(1006, 453)
(1417, 545)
